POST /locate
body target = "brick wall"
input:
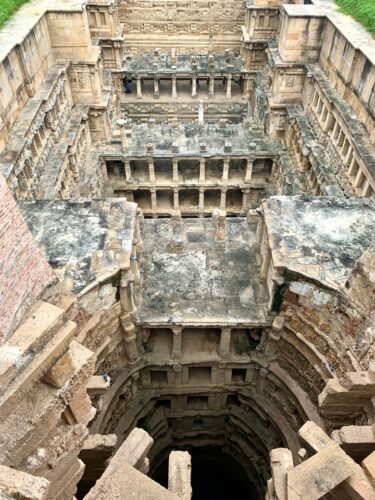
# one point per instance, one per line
(24, 270)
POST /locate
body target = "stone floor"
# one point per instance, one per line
(206, 282)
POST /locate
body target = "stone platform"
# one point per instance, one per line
(205, 281)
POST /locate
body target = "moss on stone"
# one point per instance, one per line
(362, 10)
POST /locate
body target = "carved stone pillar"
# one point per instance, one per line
(194, 87)
(130, 339)
(202, 170)
(223, 198)
(117, 49)
(177, 342)
(229, 87)
(224, 344)
(211, 87)
(156, 88)
(201, 199)
(245, 200)
(246, 90)
(128, 171)
(176, 201)
(139, 88)
(124, 139)
(103, 171)
(249, 170)
(226, 170)
(127, 292)
(134, 268)
(265, 264)
(151, 170)
(174, 87)
(154, 205)
(175, 170)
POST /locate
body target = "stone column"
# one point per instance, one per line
(154, 205)
(124, 140)
(359, 178)
(175, 170)
(229, 87)
(265, 264)
(194, 87)
(174, 87)
(128, 171)
(202, 170)
(156, 88)
(224, 342)
(226, 170)
(249, 171)
(334, 131)
(134, 268)
(117, 50)
(211, 87)
(223, 198)
(103, 170)
(245, 88)
(353, 166)
(349, 155)
(177, 342)
(176, 201)
(245, 199)
(201, 200)
(179, 474)
(130, 339)
(139, 88)
(151, 170)
(126, 292)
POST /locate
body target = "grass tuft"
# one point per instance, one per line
(362, 10)
(7, 7)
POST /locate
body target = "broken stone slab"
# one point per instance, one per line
(55, 347)
(314, 437)
(61, 371)
(23, 486)
(281, 464)
(97, 384)
(80, 407)
(368, 465)
(356, 485)
(133, 451)
(320, 474)
(28, 339)
(179, 474)
(122, 475)
(357, 441)
(125, 482)
(352, 391)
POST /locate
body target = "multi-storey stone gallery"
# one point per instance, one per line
(187, 251)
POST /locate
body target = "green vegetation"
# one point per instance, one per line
(7, 7)
(362, 10)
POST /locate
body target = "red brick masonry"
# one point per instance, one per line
(24, 270)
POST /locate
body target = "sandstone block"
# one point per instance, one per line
(179, 474)
(319, 474)
(368, 465)
(61, 371)
(17, 484)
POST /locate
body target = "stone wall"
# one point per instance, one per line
(24, 271)
(197, 25)
(22, 69)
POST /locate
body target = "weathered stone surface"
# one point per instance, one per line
(201, 176)
(319, 474)
(17, 484)
(61, 371)
(179, 474)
